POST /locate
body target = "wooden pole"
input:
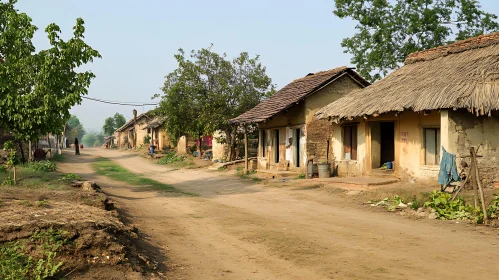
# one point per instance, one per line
(473, 177)
(477, 177)
(30, 159)
(246, 162)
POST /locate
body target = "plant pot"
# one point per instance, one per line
(324, 170)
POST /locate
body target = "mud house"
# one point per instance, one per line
(157, 133)
(442, 97)
(289, 134)
(126, 134)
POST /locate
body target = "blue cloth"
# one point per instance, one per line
(448, 169)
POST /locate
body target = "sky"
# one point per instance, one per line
(137, 41)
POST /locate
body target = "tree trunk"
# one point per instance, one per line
(228, 142)
(30, 159)
(15, 179)
(200, 139)
(20, 145)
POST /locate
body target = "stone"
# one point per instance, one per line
(432, 216)
(422, 214)
(420, 209)
(89, 186)
(402, 205)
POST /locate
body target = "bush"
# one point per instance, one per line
(170, 158)
(71, 177)
(147, 139)
(3, 169)
(447, 209)
(41, 166)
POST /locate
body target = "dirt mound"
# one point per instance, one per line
(86, 238)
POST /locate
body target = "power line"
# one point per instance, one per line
(120, 103)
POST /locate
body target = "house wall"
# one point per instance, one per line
(465, 131)
(220, 151)
(408, 146)
(316, 135)
(141, 132)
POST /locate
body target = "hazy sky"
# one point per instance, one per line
(137, 40)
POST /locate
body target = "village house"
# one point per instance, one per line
(289, 135)
(442, 97)
(125, 135)
(157, 133)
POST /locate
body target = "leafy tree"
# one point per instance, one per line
(109, 126)
(93, 139)
(206, 91)
(37, 89)
(77, 130)
(119, 120)
(389, 30)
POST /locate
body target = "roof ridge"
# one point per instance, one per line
(325, 72)
(481, 41)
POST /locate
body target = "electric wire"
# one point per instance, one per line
(120, 103)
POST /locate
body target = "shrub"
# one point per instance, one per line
(447, 209)
(170, 158)
(41, 166)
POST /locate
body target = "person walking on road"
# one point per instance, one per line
(77, 147)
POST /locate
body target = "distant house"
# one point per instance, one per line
(288, 132)
(126, 134)
(442, 97)
(157, 133)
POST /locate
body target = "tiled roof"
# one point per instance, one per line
(457, 47)
(129, 123)
(292, 93)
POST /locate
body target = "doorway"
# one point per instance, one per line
(296, 144)
(382, 143)
(276, 146)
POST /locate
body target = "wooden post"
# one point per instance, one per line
(246, 163)
(477, 179)
(30, 158)
(135, 129)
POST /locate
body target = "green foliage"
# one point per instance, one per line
(8, 181)
(3, 169)
(16, 264)
(301, 176)
(42, 203)
(493, 208)
(447, 209)
(41, 166)
(147, 139)
(77, 130)
(204, 92)
(388, 31)
(71, 177)
(37, 89)
(170, 158)
(109, 126)
(93, 139)
(119, 120)
(9, 147)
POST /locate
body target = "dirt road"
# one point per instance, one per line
(241, 230)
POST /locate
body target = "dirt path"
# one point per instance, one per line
(239, 230)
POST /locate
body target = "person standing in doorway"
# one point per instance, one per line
(77, 147)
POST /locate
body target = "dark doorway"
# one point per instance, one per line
(297, 147)
(276, 146)
(382, 143)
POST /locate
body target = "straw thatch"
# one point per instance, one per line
(294, 92)
(460, 75)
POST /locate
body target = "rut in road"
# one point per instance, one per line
(240, 230)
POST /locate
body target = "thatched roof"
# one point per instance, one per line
(294, 92)
(460, 75)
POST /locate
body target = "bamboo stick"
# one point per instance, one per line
(482, 197)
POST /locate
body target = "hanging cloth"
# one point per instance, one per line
(448, 169)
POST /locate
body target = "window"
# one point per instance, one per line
(431, 138)
(350, 142)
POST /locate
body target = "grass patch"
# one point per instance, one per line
(26, 203)
(15, 263)
(301, 176)
(106, 167)
(246, 176)
(58, 157)
(42, 203)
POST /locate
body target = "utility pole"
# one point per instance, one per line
(135, 128)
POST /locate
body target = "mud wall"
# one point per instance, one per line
(465, 131)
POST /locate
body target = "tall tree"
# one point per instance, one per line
(389, 30)
(109, 126)
(77, 130)
(207, 90)
(119, 120)
(37, 89)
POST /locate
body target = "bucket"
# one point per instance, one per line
(324, 171)
(389, 165)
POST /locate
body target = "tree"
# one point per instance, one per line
(119, 120)
(37, 89)
(109, 126)
(93, 139)
(77, 130)
(388, 31)
(205, 92)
